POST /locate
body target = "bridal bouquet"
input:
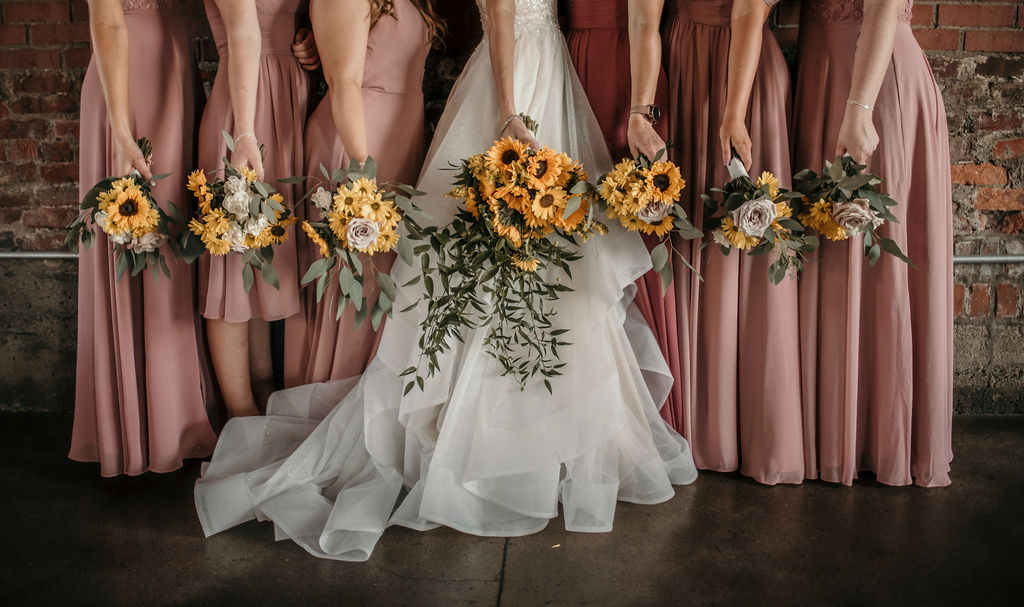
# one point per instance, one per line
(844, 201)
(644, 197)
(499, 263)
(237, 214)
(756, 216)
(358, 215)
(124, 209)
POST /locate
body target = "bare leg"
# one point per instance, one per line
(261, 365)
(229, 349)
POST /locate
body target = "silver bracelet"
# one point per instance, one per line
(859, 104)
(508, 121)
(243, 135)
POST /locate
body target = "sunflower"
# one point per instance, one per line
(216, 222)
(385, 242)
(767, 179)
(471, 202)
(364, 186)
(346, 201)
(196, 180)
(573, 221)
(132, 212)
(505, 155)
(781, 210)
(819, 217)
(526, 264)
(661, 228)
(544, 169)
(549, 204)
(487, 186)
(338, 223)
(570, 170)
(216, 246)
(277, 197)
(738, 239)
(663, 182)
(248, 173)
(515, 196)
(278, 232)
(325, 251)
(508, 232)
(372, 206)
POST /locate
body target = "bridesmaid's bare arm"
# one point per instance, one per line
(244, 47)
(501, 24)
(746, 23)
(344, 59)
(644, 67)
(109, 32)
(857, 136)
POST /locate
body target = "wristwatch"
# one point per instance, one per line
(651, 112)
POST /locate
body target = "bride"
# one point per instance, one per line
(334, 464)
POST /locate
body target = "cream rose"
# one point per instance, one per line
(148, 242)
(122, 238)
(236, 236)
(362, 233)
(719, 237)
(754, 216)
(237, 204)
(853, 216)
(322, 199)
(235, 185)
(254, 226)
(654, 212)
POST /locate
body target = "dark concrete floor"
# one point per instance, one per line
(70, 537)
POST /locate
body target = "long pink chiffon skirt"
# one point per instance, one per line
(877, 342)
(140, 390)
(741, 383)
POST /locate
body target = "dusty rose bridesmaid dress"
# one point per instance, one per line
(599, 46)
(877, 342)
(741, 383)
(281, 107)
(139, 391)
(396, 51)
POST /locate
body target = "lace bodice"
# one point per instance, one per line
(842, 11)
(142, 5)
(532, 16)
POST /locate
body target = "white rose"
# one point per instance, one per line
(148, 242)
(854, 216)
(362, 232)
(235, 185)
(254, 226)
(122, 238)
(654, 212)
(322, 199)
(236, 236)
(237, 204)
(720, 238)
(755, 216)
(100, 219)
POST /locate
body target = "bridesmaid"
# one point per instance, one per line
(877, 342)
(741, 382)
(374, 108)
(139, 394)
(260, 97)
(606, 38)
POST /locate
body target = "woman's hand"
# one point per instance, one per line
(247, 154)
(733, 135)
(857, 135)
(305, 51)
(128, 157)
(517, 130)
(642, 137)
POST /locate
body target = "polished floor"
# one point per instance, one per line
(68, 537)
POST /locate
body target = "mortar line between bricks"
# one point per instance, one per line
(501, 576)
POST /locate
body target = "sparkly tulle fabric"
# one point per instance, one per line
(334, 464)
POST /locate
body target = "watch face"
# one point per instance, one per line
(655, 113)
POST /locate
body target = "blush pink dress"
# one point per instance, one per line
(396, 52)
(139, 389)
(281, 107)
(599, 46)
(877, 342)
(741, 405)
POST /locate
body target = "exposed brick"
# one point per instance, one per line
(978, 174)
(938, 39)
(959, 297)
(9, 215)
(1001, 66)
(58, 151)
(1008, 149)
(36, 12)
(981, 300)
(66, 128)
(1007, 296)
(21, 149)
(47, 217)
(76, 58)
(79, 10)
(29, 129)
(997, 41)
(43, 81)
(48, 240)
(973, 15)
(924, 14)
(999, 199)
(1000, 121)
(59, 172)
(19, 59)
(12, 34)
(1013, 223)
(54, 104)
(24, 172)
(49, 34)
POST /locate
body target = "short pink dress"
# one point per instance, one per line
(281, 107)
(396, 52)
(140, 386)
(877, 341)
(741, 406)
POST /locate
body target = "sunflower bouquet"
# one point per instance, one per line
(844, 201)
(500, 263)
(644, 197)
(237, 214)
(124, 209)
(358, 215)
(756, 216)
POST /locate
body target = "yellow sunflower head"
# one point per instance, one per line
(663, 182)
(767, 179)
(338, 222)
(508, 232)
(526, 264)
(196, 179)
(248, 173)
(736, 238)
(471, 196)
(132, 212)
(346, 201)
(573, 222)
(372, 206)
(325, 251)
(515, 196)
(277, 233)
(549, 204)
(544, 169)
(364, 186)
(507, 155)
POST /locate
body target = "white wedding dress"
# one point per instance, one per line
(332, 465)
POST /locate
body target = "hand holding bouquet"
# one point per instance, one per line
(358, 215)
(124, 209)
(756, 216)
